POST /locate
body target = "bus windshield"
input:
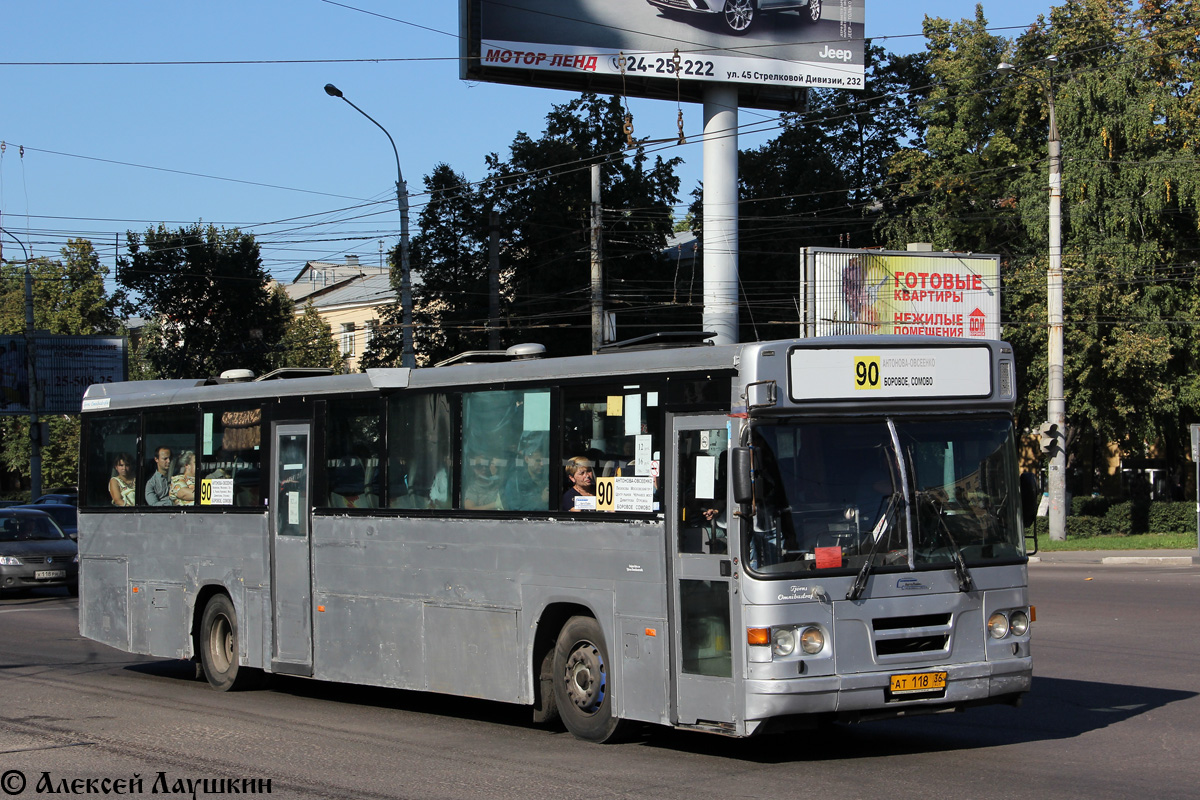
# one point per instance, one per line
(933, 493)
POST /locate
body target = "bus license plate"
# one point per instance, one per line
(918, 682)
(49, 574)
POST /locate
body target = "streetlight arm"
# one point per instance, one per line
(395, 152)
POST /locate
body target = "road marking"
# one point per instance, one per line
(12, 609)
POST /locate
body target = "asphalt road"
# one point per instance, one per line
(1114, 713)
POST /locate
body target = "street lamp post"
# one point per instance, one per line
(407, 358)
(1056, 406)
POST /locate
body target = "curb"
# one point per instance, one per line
(1145, 561)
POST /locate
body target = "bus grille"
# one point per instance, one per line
(924, 633)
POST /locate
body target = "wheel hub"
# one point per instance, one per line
(585, 677)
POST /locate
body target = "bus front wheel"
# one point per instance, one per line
(219, 645)
(582, 686)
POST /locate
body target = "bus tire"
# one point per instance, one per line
(219, 646)
(545, 710)
(582, 690)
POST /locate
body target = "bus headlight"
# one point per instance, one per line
(1018, 623)
(998, 625)
(783, 641)
(812, 641)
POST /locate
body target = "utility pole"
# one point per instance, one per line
(35, 428)
(597, 264)
(1056, 405)
(494, 280)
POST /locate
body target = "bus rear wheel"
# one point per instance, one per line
(219, 646)
(582, 687)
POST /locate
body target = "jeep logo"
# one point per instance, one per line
(838, 55)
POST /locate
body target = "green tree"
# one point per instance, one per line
(206, 291)
(68, 294)
(543, 193)
(451, 297)
(68, 298)
(308, 340)
(865, 128)
(952, 187)
(1123, 87)
(818, 183)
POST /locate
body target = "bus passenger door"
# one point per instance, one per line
(704, 588)
(291, 572)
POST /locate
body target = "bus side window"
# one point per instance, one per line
(352, 451)
(619, 430)
(420, 457)
(168, 459)
(111, 462)
(229, 471)
(504, 456)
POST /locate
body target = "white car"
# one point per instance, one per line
(740, 15)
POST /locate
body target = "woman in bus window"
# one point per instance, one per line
(183, 485)
(582, 477)
(121, 487)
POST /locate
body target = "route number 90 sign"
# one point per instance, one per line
(834, 373)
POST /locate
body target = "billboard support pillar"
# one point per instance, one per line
(720, 235)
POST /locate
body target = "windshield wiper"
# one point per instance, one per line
(877, 535)
(965, 584)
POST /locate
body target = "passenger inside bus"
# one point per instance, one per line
(581, 493)
(348, 484)
(121, 486)
(158, 488)
(183, 484)
(482, 490)
(528, 487)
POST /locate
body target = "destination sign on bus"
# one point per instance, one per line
(847, 373)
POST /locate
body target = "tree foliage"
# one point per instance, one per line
(819, 183)
(543, 193)
(1122, 82)
(307, 340)
(69, 298)
(206, 291)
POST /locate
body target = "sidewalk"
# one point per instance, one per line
(1154, 558)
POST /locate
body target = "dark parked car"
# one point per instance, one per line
(66, 516)
(35, 552)
(69, 498)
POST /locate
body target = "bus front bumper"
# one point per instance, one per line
(867, 694)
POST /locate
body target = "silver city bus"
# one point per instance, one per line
(750, 537)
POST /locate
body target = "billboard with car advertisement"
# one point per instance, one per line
(913, 293)
(772, 50)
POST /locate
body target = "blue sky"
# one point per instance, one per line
(111, 146)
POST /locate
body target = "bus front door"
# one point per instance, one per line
(704, 575)
(291, 572)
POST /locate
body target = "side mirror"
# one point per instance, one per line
(1030, 495)
(742, 466)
